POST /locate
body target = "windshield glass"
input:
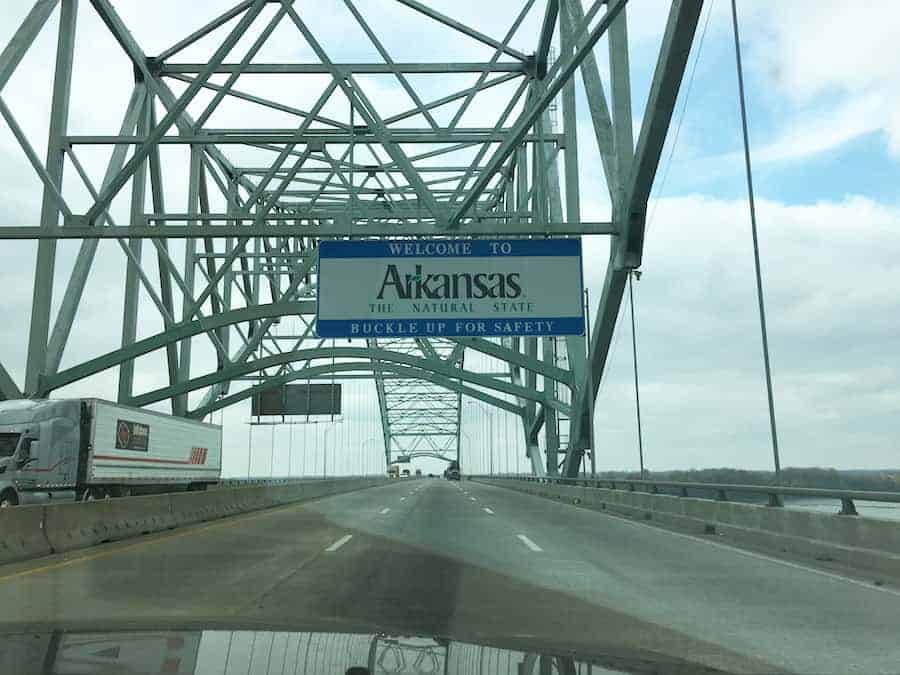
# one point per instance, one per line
(8, 443)
(555, 326)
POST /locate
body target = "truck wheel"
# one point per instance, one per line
(8, 499)
(92, 494)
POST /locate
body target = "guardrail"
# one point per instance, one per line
(773, 493)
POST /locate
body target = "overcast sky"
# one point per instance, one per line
(823, 97)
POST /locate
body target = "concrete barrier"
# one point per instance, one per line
(33, 531)
(863, 543)
(22, 534)
(73, 526)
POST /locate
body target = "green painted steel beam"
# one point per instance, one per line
(382, 355)
(518, 358)
(330, 368)
(177, 332)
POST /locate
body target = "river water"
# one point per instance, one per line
(881, 510)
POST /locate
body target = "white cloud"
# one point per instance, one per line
(837, 62)
(831, 282)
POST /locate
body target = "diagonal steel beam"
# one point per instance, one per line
(572, 18)
(558, 75)
(24, 37)
(551, 13)
(370, 116)
(462, 28)
(83, 263)
(174, 112)
(45, 263)
(512, 356)
(401, 78)
(200, 33)
(8, 388)
(676, 47)
(627, 250)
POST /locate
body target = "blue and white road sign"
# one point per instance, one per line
(452, 288)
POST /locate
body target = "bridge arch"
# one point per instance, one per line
(329, 368)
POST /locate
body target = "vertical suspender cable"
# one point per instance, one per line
(637, 394)
(759, 288)
(590, 392)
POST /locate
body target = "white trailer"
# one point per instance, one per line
(59, 449)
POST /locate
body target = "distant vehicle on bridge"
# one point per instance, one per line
(452, 471)
(85, 449)
(393, 471)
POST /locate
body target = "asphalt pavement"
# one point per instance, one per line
(472, 562)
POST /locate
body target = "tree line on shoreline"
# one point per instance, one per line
(884, 480)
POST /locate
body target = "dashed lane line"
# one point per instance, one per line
(530, 544)
(340, 542)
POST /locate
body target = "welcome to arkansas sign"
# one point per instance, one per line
(443, 287)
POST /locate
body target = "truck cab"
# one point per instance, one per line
(38, 451)
(452, 471)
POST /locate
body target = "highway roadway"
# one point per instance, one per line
(473, 562)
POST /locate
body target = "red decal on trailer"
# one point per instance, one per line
(198, 455)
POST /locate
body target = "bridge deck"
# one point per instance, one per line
(469, 560)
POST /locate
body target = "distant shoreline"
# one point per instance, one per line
(886, 480)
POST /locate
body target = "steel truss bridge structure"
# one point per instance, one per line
(218, 276)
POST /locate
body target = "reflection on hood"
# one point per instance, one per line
(282, 653)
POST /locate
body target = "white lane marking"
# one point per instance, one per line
(340, 542)
(530, 544)
(487, 510)
(472, 498)
(383, 511)
(402, 499)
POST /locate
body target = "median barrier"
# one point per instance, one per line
(28, 532)
(22, 534)
(197, 507)
(82, 524)
(859, 542)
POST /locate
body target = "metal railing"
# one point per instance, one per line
(773, 493)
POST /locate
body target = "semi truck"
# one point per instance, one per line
(86, 449)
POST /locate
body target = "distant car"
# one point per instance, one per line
(405, 473)
(431, 475)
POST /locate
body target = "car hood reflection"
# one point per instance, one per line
(214, 652)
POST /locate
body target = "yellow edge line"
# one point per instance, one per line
(222, 522)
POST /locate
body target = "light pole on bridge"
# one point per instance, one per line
(325, 453)
(459, 449)
(363, 451)
(490, 416)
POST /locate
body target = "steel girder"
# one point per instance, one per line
(420, 415)
(336, 165)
